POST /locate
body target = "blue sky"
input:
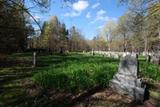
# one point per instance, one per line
(87, 15)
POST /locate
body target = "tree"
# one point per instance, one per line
(45, 36)
(63, 38)
(14, 25)
(146, 20)
(13, 31)
(153, 20)
(107, 33)
(122, 29)
(76, 41)
(53, 37)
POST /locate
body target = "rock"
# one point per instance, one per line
(126, 81)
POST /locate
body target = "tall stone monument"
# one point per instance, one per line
(126, 82)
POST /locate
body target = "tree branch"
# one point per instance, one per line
(26, 10)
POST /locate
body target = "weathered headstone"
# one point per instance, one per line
(155, 58)
(126, 81)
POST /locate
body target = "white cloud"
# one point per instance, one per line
(101, 16)
(72, 14)
(101, 12)
(80, 5)
(95, 5)
(100, 27)
(88, 15)
(77, 8)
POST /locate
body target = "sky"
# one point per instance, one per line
(88, 16)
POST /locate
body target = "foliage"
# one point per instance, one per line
(150, 70)
(137, 29)
(13, 31)
(56, 38)
(16, 23)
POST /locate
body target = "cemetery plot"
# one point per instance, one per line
(59, 77)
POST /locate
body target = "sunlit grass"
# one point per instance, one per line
(76, 73)
(150, 70)
(73, 72)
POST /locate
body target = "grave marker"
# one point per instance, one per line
(34, 59)
(126, 81)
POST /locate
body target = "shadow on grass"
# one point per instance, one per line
(13, 90)
(13, 63)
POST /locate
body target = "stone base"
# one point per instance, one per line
(122, 88)
(126, 82)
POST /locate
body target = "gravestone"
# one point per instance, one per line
(34, 59)
(148, 58)
(155, 58)
(126, 81)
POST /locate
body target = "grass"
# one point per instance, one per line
(149, 70)
(15, 77)
(72, 73)
(77, 72)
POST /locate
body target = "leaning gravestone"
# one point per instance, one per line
(126, 82)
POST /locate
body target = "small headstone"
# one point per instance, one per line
(116, 56)
(155, 58)
(126, 81)
(34, 59)
(135, 55)
(92, 52)
(124, 54)
(148, 58)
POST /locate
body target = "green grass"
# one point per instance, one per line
(77, 72)
(149, 70)
(72, 72)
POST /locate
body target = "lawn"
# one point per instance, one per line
(72, 73)
(148, 70)
(77, 72)
(68, 73)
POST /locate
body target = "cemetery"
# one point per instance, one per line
(79, 53)
(64, 82)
